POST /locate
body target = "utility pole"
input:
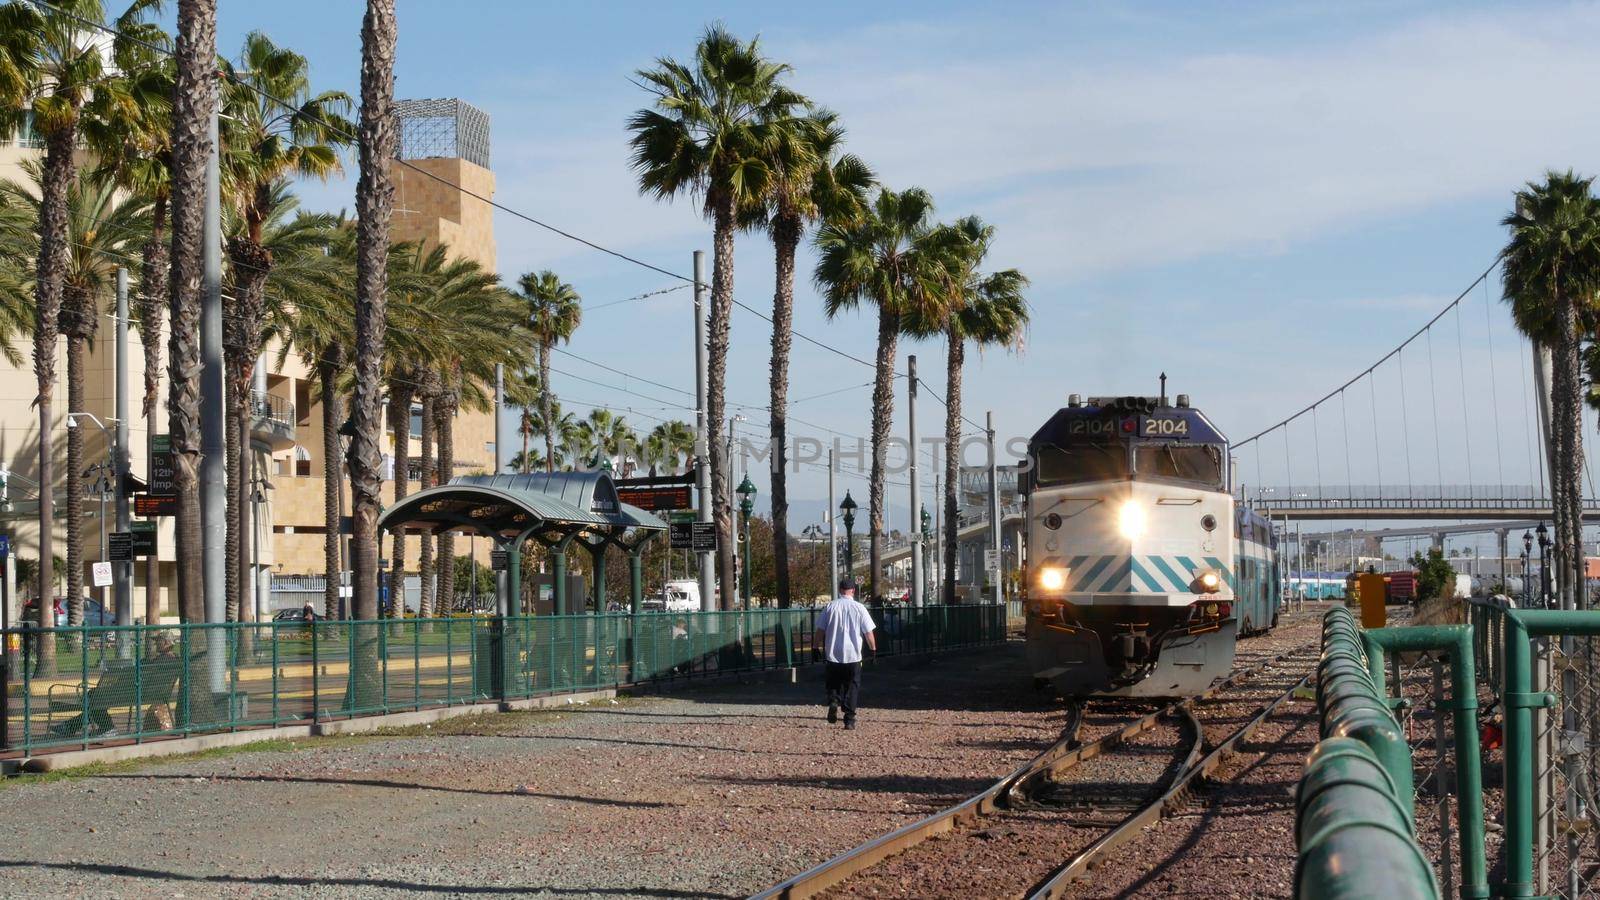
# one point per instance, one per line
(213, 418)
(937, 561)
(833, 534)
(702, 448)
(499, 410)
(122, 572)
(995, 588)
(916, 539)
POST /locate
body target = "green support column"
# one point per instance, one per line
(636, 578)
(599, 554)
(558, 571)
(514, 579)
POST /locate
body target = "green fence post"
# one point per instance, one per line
(1519, 760)
(416, 662)
(449, 661)
(316, 675)
(1469, 775)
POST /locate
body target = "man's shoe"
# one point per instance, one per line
(849, 726)
(833, 714)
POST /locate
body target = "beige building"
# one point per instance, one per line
(446, 138)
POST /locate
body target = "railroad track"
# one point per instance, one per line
(1034, 790)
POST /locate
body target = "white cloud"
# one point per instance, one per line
(1098, 168)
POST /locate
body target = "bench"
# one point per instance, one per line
(120, 686)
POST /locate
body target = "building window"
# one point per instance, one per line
(416, 421)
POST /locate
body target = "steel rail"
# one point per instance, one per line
(1064, 754)
(1055, 884)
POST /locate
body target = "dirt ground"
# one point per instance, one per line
(717, 792)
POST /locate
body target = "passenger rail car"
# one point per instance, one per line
(1142, 569)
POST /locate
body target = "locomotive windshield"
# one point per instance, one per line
(1182, 462)
(1080, 462)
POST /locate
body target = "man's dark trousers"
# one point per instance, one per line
(844, 687)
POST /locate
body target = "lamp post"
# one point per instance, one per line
(1544, 565)
(847, 507)
(747, 504)
(927, 534)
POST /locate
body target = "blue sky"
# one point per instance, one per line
(1259, 199)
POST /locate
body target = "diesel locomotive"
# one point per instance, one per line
(1143, 569)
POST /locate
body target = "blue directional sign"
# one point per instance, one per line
(5, 546)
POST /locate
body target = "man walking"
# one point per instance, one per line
(842, 627)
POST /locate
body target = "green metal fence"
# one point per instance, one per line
(143, 682)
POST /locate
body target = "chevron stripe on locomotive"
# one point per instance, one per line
(1142, 569)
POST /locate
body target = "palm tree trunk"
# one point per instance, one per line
(1567, 413)
(522, 461)
(716, 381)
(446, 412)
(194, 99)
(425, 553)
(241, 344)
(400, 423)
(374, 207)
(152, 292)
(152, 307)
(546, 409)
(785, 236)
(76, 348)
(51, 267)
(954, 359)
(332, 483)
(882, 416)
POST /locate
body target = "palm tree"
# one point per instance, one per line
(988, 310)
(669, 444)
(1551, 273)
(194, 102)
(522, 391)
(322, 336)
(568, 437)
(554, 311)
(264, 142)
(811, 182)
(17, 243)
(888, 259)
(103, 227)
(707, 134)
(50, 67)
(374, 206)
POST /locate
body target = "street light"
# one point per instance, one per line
(927, 540)
(1544, 564)
(747, 504)
(847, 507)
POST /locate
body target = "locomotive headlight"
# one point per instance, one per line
(1210, 580)
(1131, 519)
(1052, 578)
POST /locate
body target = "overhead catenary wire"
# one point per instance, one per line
(1466, 425)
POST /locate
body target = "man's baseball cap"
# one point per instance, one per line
(847, 584)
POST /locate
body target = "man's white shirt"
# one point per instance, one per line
(844, 623)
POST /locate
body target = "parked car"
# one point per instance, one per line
(94, 613)
(290, 615)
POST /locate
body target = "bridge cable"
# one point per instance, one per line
(1316, 446)
(1377, 457)
(1288, 463)
(1433, 395)
(1494, 390)
(1405, 423)
(1385, 358)
(1466, 427)
(1527, 425)
(1344, 415)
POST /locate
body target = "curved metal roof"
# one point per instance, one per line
(507, 505)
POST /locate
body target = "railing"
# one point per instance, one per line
(272, 414)
(145, 682)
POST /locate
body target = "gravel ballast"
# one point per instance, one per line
(717, 792)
